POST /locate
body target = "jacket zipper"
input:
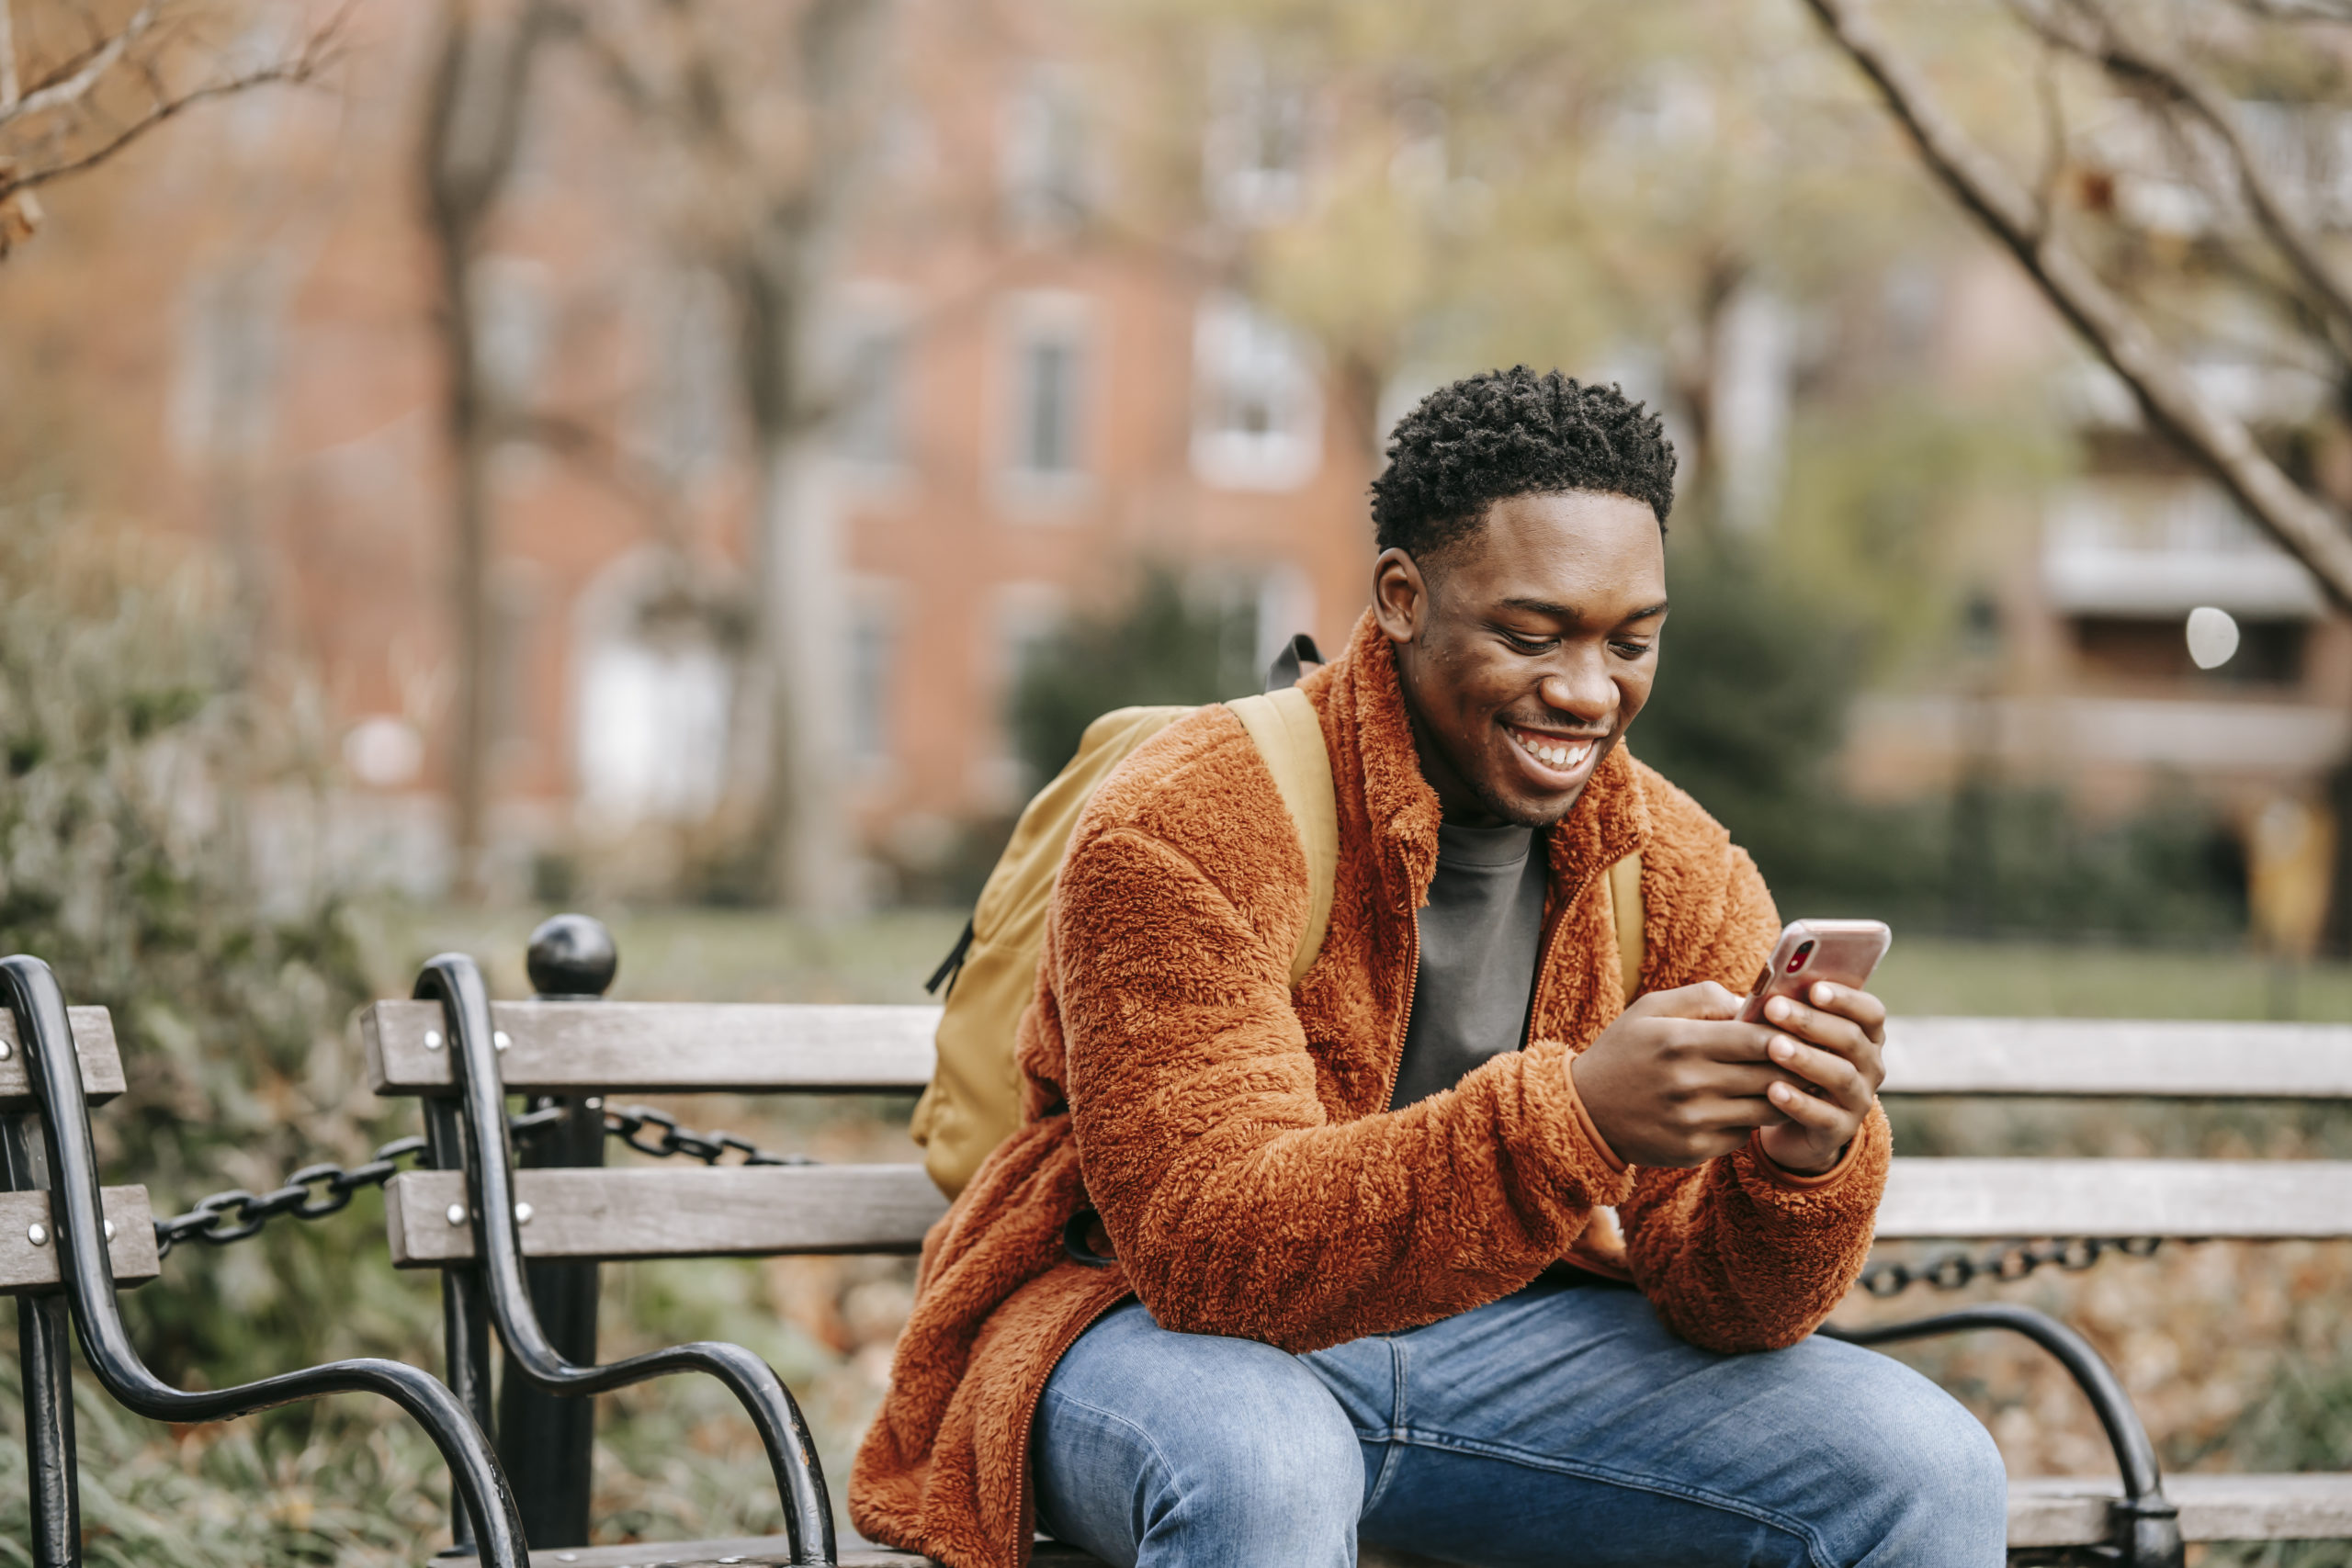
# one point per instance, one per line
(1405, 1021)
(1026, 1531)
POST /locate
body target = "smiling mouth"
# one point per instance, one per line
(1556, 754)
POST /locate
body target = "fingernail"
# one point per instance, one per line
(1824, 993)
(1777, 1009)
(1783, 1049)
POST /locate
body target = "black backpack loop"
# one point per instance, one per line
(1290, 663)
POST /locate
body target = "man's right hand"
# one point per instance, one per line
(1676, 1080)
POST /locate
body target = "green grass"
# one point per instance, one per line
(743, 956)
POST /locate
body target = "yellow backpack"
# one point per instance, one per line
(973, 1100)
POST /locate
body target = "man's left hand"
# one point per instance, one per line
(1837, 1044)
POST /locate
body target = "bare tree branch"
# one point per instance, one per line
(69, 91)
(2308, 529)
(2329, 13)
(82, 83)
(2135, 62)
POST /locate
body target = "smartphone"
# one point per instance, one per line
(1841, 952)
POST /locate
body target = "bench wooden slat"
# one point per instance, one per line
(2044, 1511)
(1991, 1199)
(757, 1211)
(689, 1047)
(2072, 1510)
(24, 1267)
(2120, 1056)
(665, 1047)
(93, 1042)
(697, 1212)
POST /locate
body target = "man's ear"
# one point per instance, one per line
(1401, 596)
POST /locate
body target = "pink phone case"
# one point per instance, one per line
(1841, 952)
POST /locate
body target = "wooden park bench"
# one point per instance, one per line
(561, 1213)
(66, 1244)
(519, 1246)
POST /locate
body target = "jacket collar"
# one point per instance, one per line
(1612, 819)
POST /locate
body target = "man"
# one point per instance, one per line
(1339, 1309)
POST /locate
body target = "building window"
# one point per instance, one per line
(652, 725)
(1049, 376)
(2134, 652)
(1047, 438)
(1043, 155)
(689, 399)
(870, 648)
(870, 426)
(1257, 404)
(1253, 153)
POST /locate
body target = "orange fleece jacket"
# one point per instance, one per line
(1234, 1135)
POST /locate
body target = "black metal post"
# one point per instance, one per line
(545, 1439)
(45, 1363)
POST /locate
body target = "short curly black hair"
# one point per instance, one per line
(1506, 432)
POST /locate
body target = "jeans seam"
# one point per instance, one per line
(1815, 1549)
(1389, 1445)
(1166, 1470)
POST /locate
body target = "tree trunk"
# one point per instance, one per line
(474, 112)
(802, 841)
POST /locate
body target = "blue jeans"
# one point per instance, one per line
(1559, 1426)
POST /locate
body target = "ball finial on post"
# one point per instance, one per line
(572, 955)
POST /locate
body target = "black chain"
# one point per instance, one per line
(311, 1193)
(627, 1124)
(317, 1191)
(1956, 1270)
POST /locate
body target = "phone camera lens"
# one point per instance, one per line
(1804, 952)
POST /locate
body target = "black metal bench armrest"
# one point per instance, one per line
(455, 981)
(33, 996)
(2150, 1523)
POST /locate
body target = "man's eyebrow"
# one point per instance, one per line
(1569, 613)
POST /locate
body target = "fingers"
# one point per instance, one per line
(1812, 1115)
(1704, 1000)
(1837, 1076)
(1831, 1031)
(1861, 1007)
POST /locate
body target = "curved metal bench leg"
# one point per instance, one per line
(32, 994)
(455, 981)
(2147, 1522)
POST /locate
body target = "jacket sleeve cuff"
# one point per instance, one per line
(1578, 1153)
(1584, 1119)
(1781, 1176)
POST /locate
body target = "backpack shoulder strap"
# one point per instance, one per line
(1625, 912)
(1290, 736)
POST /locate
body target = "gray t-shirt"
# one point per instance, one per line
(1481, 933)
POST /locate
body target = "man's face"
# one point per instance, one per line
(1526, 649)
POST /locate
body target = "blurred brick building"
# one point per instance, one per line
(1040, 407)
(232, 330)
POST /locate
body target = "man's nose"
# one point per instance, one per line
(1581, 689)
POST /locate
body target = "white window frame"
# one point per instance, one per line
(1027, 321)
(1242, 355)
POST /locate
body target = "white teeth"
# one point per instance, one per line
(1563, 757)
